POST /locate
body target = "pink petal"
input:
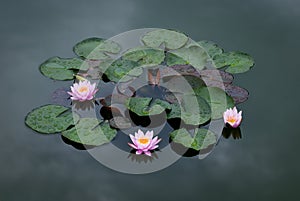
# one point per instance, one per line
(138, 152)
(149, 134)
(148, 153)
(132, 145)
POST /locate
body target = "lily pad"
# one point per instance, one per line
(120, 122)
(238, 94)
(170, 39)
(90, 131)
(237, 62)
(213, 77)
(211, 48)
(147, 106)
(182, 84)
(123, 69)
(62, 69)
(145, 55)
(96, 48)
(173, 59)
(218, 100)
(179, 70)
(188, 111)
(50, 119)
(193, 55)
(201, 139)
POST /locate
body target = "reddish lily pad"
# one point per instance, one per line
(238, 94)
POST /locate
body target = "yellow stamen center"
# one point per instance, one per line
(231, 120)
(143, 140)
(83, 89)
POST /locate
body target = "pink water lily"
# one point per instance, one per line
(144, 143)
(83, 91)
(232, 117)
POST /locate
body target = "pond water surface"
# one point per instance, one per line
(262, 165)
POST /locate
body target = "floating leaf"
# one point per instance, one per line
(50, 119)
(170, 39)
(201, 139)
(188, 111)
(237, 62)
(90, 131)
(96, 48)
(120, 122)
(214, 77)
(123, 69)
(218, 100)
(182, 84)
(145, 55)
(113, 99)
(179, 70)
(173, 59)
(147, 107)
(62, 69)
(211, 48)
(193, 55)
(238, 94)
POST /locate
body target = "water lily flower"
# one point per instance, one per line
(143, 143)
(83, 91)
(232, 117)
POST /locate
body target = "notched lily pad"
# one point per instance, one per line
(147, 106)
(188, 111)
(123, 69)
(168, 38)
(199, 140)
(211, 48)
(218, 100)
(120, 122)
(90, 131)
(96, 48)
(145, 55)
(62, 69)
(182, 84)
(237, 62)
(238, 94)
(50, 119)
(173, 59)
(193, 55)
(214, 77)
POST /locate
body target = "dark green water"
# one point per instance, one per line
(263, 165)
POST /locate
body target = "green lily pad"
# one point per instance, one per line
(182, 84)
(187, 110)
(147, 106)
(50, 119)
(170, 39)
(96, 48)
(123, 69)
(237, 62)
(201, 139)
(62, 69)
(145, 55)
(90, 131)
(193, 55)
(173, 59)
(218, 100)
(211, 48)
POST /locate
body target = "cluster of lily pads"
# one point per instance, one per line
(168, 77)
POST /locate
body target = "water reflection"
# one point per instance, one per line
(142, 158)
(234, 132)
